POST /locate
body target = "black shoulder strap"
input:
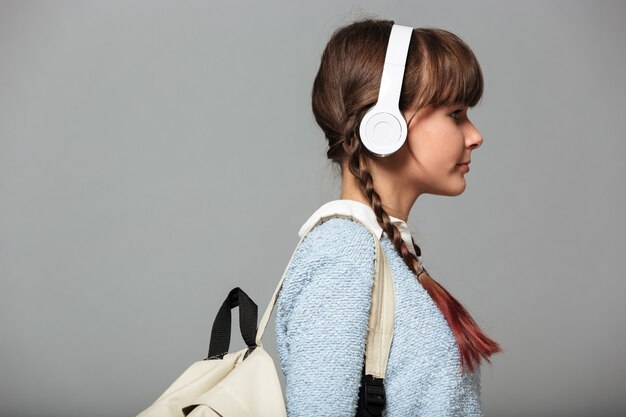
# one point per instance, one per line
(372, 397)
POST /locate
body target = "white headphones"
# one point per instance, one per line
(383, 129)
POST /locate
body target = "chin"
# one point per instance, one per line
(449, 187)
(458, 189)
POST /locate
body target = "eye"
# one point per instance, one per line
(454, 113)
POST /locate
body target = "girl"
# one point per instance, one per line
(322, 310)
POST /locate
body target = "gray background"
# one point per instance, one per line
(156, 154)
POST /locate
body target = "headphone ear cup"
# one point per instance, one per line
(382, 131)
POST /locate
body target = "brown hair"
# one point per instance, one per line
(440, 70)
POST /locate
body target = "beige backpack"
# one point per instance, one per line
(245, 383)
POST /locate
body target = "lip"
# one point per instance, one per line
(464, 167)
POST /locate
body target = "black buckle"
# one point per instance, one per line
(374, 395)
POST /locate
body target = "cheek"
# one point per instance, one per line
(434, 153)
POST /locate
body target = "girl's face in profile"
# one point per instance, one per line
(438, 140)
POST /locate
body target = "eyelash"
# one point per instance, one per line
(454, 112)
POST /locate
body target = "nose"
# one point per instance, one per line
(473, 137)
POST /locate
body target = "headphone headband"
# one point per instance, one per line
(383, 129)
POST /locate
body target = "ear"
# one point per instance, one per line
(407, 115)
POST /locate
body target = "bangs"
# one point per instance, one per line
(448, 72)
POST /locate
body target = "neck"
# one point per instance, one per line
(394, 198)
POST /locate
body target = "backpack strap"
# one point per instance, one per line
(382, 311)
(220, 332)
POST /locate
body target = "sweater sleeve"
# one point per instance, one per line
(322, 319)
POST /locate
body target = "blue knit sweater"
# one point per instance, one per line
(322, 314)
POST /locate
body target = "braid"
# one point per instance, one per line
(472, 343)
(358, 168)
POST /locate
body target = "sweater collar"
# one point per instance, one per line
(362, 212)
